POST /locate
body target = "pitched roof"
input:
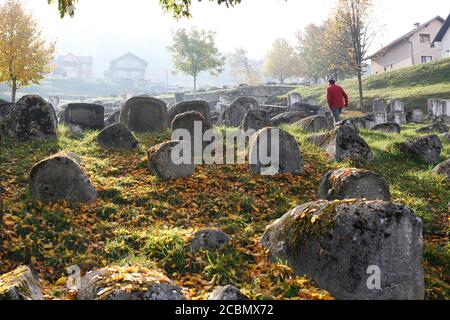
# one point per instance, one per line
(443, 30)
(82, 59)
(130, 55)
(406, 36)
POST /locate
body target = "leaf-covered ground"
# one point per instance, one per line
(140, 220)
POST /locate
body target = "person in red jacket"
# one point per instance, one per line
(337, 99)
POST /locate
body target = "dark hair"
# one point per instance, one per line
(332, 81)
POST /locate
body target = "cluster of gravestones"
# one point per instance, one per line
(336, 241)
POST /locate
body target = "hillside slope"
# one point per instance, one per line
(414, 85)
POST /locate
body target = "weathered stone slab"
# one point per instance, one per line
(415, 116)
(128, 283)
(145, 114)
(246, 102)
(209, 240)
(443, 169)
(288, 159)
(434, 128)
(290, 117)
(388, 127)
(19, 284)
(233, 115)
(161, 160)
(427, 148)
(354, 183)
(84, 116)
(256, 119)
(379, 106)
(356, 250)
(60, 177)
(199, 106)
(194, 123)
(112, 119)
(343, 143)
(314, 124)
(31, 118)
(117, 136)
(294, 98)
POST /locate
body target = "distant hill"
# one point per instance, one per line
(413, 85)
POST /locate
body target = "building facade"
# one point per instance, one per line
(412, 49)
(74, 67)
(127, 67)
(442, 40)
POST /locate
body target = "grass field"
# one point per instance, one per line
(139, 219)
(414, 85)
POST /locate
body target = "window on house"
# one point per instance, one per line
(426, 59)
(425, 38)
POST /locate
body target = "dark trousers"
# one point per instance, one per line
(336, 114)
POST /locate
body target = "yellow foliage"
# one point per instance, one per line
(25, 57)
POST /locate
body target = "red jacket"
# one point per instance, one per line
(336, 96)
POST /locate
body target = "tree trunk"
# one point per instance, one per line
(195, 87)
(13, 91)
(361, 94)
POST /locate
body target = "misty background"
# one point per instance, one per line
(106, 29)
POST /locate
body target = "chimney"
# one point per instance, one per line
(416, 25)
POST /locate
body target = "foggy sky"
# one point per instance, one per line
(106, 29)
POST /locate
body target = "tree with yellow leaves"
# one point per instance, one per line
(25, 57)
(242, 68)
(281, 62)
(351, 28)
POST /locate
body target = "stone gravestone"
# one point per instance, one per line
(344, 246)
(290, 117)
(256, 119)
(31, 118)
(60, 177)
(19, 284)
(354, 183)
(145, 114)
(380, 111)
(164, 161)
(209, 240)
(343, 143)
(446, 110)
(388, 127)
(414, 116)
(398, 111)
(84, 116)
(233, 115)
(314, 124)
(435, 107)
(246, 102)
(112, 119)
(427, 148)
(117, 283)
(117, 136)
(196, 105)
(286, 160)
(443, 169)
(294, 98)
(195, 124)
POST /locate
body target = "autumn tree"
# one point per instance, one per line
(311, 52)
(280, 62)
(242, 68)
(178, 8)
(194, 52)
(351, 25)
(25, 57)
